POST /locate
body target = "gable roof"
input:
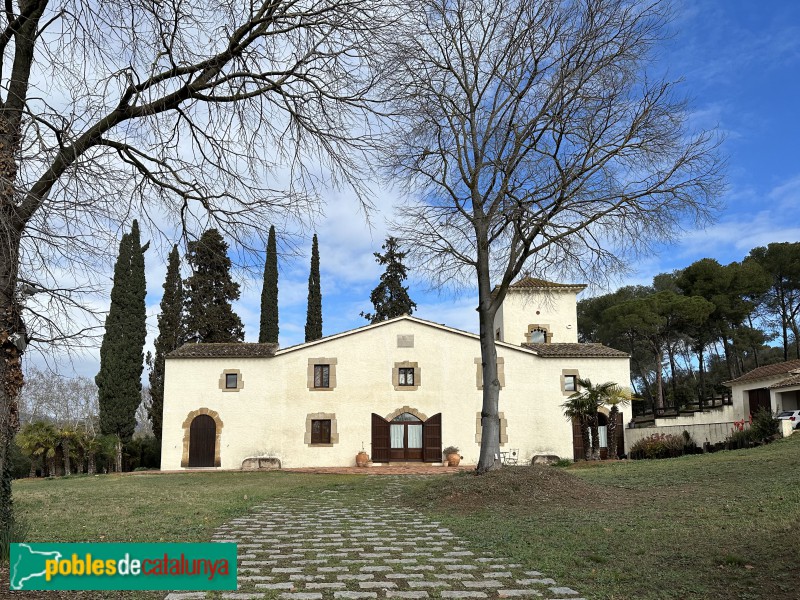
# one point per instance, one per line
(541, 284)
(416, 320)
(576, 351)
(252, 350)
(231, 350)
(788, 382)
(767, 371)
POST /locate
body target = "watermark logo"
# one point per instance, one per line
(123, 567)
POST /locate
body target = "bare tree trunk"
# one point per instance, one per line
(118, 465)
(91, 468)
(490, 418)
(11, 329)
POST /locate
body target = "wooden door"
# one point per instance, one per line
(577, 440)
(759, 399)
(380, 439)
(202, 441)
(432, 439)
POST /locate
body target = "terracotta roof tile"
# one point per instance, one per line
(767, 371)
(576, 351)
(535, 283)
(790, 381)
(234, 350)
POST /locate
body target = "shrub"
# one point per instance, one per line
(661, 445)
(13, 535)
(740, 438)
(765, 425)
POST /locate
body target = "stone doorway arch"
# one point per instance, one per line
(187, 425)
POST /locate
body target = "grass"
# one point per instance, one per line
(723, 525)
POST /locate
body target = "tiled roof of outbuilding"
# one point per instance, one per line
(232, 350)
(767, 371)
(535, 283)
(788, 382)
(575, 351)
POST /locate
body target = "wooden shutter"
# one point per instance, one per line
(577, 440)
(380, 439)
(620, 433)
(432, 439)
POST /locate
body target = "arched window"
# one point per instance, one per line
(538, 336)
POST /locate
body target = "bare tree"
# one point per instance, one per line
(532, 135)
(68, 402)
(178, 112)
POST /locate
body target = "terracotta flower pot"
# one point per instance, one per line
(362, 458)
(453, 460)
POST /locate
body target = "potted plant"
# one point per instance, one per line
(452, 456)
(362, 458)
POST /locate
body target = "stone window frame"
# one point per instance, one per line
(503, 428)
(396, 376)
(321, 417)
(501, 372)
(312, 362)
(545, 327)
(187, 424)
(406, 409)
(569, 373)
(223, 380)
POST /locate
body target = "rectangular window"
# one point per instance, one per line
(322, 376)
(406, 376)
(570, 383)
(231, 381)
(321, 431)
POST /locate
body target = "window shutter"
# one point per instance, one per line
(432, 439)
(380, 439)
(577, 440)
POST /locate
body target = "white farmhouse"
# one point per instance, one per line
(400, 390)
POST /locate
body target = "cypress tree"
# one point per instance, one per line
(314, 312)
(390, 298)
(269, 293)
(170, 337)
(209, 292)
(119, 381)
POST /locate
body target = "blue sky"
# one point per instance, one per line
(740, 65)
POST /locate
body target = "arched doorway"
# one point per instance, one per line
(406, 436)
(202, 439)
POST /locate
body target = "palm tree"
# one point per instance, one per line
(67, 434)
(617, 396)
(29, 442)
(577, 409)
(594, 397)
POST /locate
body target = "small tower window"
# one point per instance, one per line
(538, 336)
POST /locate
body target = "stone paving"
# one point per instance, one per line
(320, 548)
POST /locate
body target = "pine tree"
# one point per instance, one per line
(119, 381)
(269, 293)
(170, 337)
(314, 313)
(209, 292)
(390, 298)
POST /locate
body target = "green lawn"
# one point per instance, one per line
(723, 525)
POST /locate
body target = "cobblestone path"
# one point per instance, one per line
(320, 548)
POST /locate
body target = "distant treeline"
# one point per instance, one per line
(693, 329)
